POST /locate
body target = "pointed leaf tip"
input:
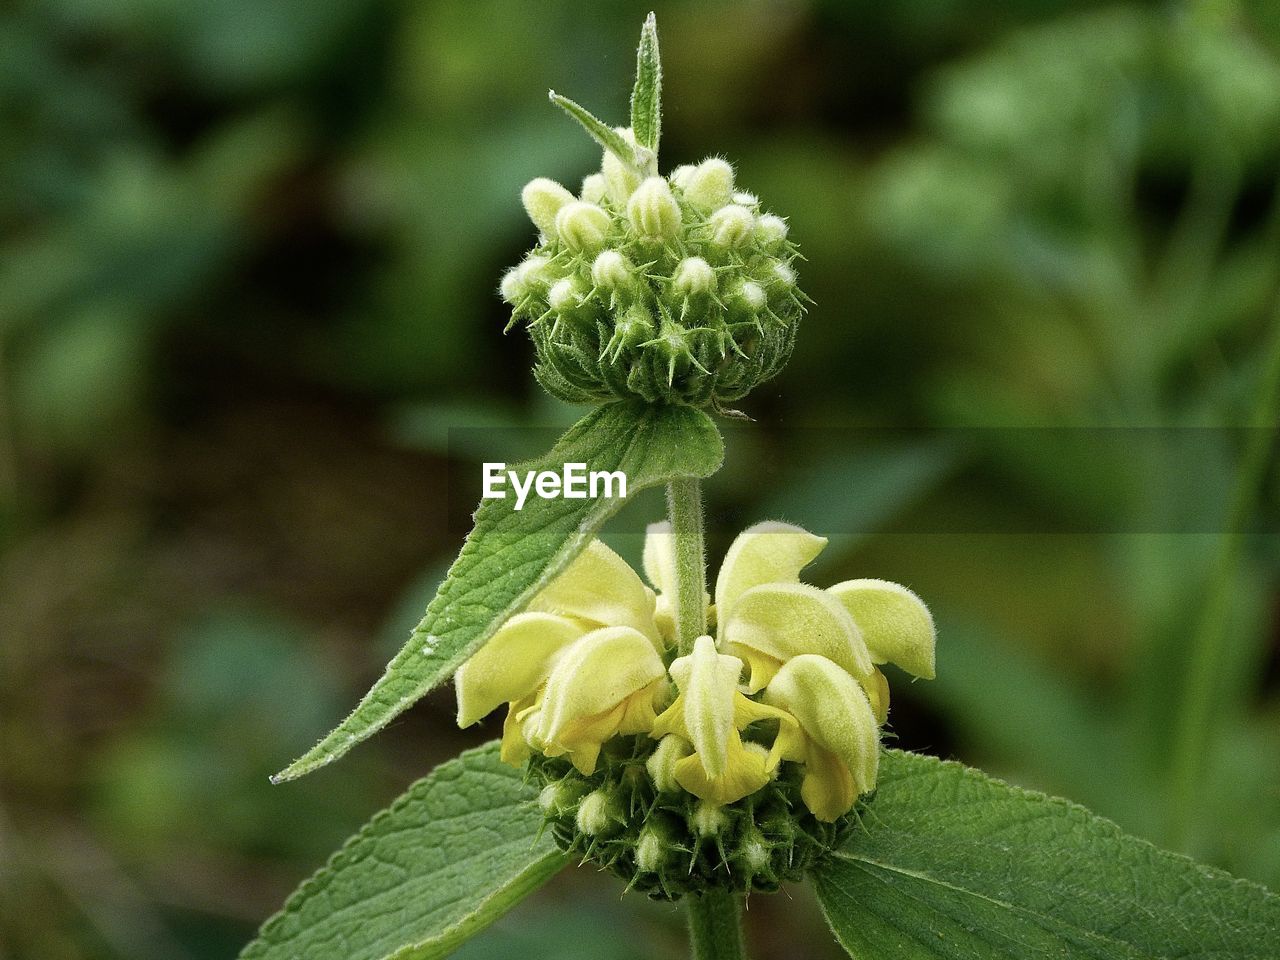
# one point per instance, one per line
(646, 96)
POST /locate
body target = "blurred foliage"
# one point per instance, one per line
(247, 260)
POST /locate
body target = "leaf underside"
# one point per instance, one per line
(444, 861)
(950, 863)
(510, 555)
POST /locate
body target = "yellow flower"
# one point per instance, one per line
(586, 662)
(579, 667)
(838, 740)
(709, 713)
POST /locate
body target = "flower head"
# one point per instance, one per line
(791, 679)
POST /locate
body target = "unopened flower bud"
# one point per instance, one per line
(653, 847)
(513, 287)
(709, 185)
(594, 188)
(534, 272)
(662, 762)
(694, 277)
(565, 295)
(542, 199)
(731, 226)
(752, 296)
(771, 229)
(653, 211)
(784, 274)
(679, 177)
(708, 819)
(745, 199)
(621, 178)
(597, 813)
(611, 271)
(582, 225)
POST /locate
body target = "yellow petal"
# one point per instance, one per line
(765, 553)
(514, 663)
(600, 588)
(895, 623)
(828, 789)
(784, 620)
(834, 713)
(746, 770)
(594, 677)
(704, 710)
(876, 687)
(515, 749)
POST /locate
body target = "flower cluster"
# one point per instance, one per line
(666, 289)
(787, 692)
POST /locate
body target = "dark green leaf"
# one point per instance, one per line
(449, 857)
(511, 555)
(952, 864)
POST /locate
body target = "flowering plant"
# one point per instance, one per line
(703, 746)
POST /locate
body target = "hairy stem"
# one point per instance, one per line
(715, 925)
(684, 501)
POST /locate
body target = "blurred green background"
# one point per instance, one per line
(247, 261)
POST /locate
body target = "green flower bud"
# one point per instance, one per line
(620, 178)
(752, 296)
(745, 199)
(611, 271)
(771, 230)
(731, 226)
(783, 274)
(542, 199)
(565, 295)
(598, 813)
(662, 762)
(513, 287)
(653, 210)
(582, 226)
(694, 277)
(709, 185)
(708, 819)
(654, 847)
(594, 188)
(680, 176)
(535, 272)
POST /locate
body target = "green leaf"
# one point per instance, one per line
(950, 863)
(444, 861)
(599, 131)
(646, 96)
(511, 555)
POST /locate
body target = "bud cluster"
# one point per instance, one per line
(666, 843)
(676, 289)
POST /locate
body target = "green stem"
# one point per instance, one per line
(715, 925)
(1191, 736)
(684, 501)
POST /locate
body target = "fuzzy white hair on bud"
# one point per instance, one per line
(595, 813)
(710, 184)
(771, 229)
(679, 177)
(611, 270)
(694, 277)
(543, 198)
(594, 188)
(752, 296)
(534, 271)
(731, 226)
(784, 274)
(582, 226)
(565, 295)
(513, 287)
(653, 210)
